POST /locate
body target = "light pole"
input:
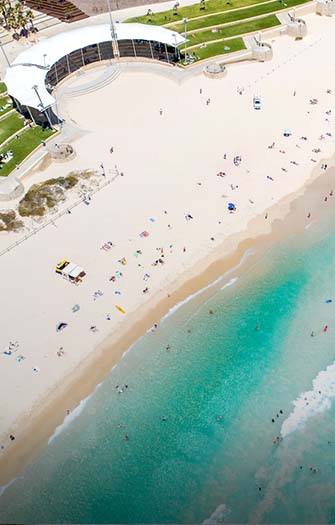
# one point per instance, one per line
(35, 88)
(175, 45)
(112, 29)
(4, 54)
(185, 23)
(44, 61)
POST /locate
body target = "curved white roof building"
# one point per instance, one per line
(60, 55)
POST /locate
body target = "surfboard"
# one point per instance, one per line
(120, 309)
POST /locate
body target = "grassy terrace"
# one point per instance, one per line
(27, 141)
(218, 20)
(233, 16)
(231, 31)
(10, 125)
(3, 102)
(192, 11)
(23, 146)
(218, 48)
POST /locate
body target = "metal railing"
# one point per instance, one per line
(58, 215)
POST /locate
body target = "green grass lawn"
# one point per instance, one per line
(23, 146)
(192, 11)
(10, 125)
(234, 30)
(215, 20)
(3, 87)
(211, 50)
(3, 101)
(212, 7)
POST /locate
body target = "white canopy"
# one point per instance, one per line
(28, 69)
(78, 270)
(72, 270)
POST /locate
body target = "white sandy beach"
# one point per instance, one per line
(170, 164)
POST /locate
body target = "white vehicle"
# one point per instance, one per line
(256, 102)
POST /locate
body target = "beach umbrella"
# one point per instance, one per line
(287, 133)
(231, 206)
(61, 326)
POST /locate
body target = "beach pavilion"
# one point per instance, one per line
(31, 78)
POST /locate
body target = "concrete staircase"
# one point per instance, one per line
(62, 9)
(111, 74)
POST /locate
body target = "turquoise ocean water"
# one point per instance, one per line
(218, 388)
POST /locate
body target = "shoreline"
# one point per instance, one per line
(79, 384)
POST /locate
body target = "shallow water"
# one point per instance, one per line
(219, 386)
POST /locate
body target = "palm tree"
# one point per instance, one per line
(5, 10)
(30, 19)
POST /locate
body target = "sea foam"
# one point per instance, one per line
(72, 415)
(313, 402)
(245, 256)
(219, 515)
(4, 487)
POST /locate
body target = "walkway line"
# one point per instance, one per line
(220, 13)
(58, 216)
